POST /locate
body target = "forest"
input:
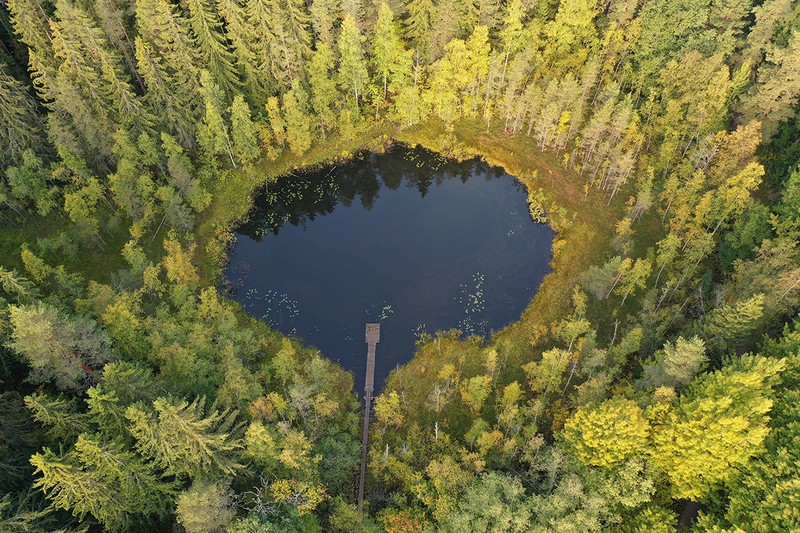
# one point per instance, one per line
(653, 383)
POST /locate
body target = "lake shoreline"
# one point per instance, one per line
(582, 223)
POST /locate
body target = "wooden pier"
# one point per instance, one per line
(372, 338)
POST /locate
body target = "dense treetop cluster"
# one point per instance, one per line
(136, 396)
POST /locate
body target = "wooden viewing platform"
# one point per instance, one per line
(372, 338)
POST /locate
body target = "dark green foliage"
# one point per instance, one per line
(745, 236)
(136, 396)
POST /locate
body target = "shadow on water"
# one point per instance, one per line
(407, 238)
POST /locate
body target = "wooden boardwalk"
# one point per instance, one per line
(372, 338)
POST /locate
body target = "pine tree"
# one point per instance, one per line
(634, 278)
(511, 31)
(184, 438)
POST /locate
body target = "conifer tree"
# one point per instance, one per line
(32, 24)
(511, 32)
(773, 98)
(58, 413)
(167, 95)
(291, 49)
(184, 439)
(243, 132)
(392, 61)
(324, 14)
(299, 123)
(419, 25)
(732, 323)
(210, 41)
(677, 364)
(21, 124)
(89, 86)
(113, 16)
(323, 87)
(247, 26)
(353, 75)
(212, 135)
(102, 479)
(167, 61)
(67, 351)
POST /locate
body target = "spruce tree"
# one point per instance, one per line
(184, 438)
(324, 14)
(323, 87)
(166, 97)
(32, 24)
(299, 123)
(257, 52)
(211, 43)
(90, 85)
(243, 132)
(419, 25)
(289, 24)
(353, 75)
(101, 478)
(21, 123)
(165, 54)
(392, 61)
(213, 134)
(60, 414)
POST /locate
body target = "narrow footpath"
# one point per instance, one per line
(372, 338)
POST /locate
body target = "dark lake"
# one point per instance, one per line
(406, 238)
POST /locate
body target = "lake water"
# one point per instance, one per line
(406, 238)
